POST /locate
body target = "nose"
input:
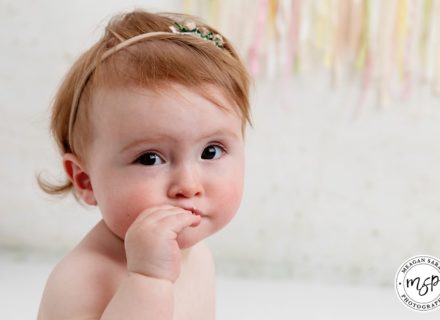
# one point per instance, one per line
(185, 183)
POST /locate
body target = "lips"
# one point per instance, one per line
(194, 211)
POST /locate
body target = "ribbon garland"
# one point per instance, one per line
(383, 43)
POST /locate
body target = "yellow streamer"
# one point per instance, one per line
(401, 32)
(426, 21)
(374, 38)
(187, 6)
(364, 34)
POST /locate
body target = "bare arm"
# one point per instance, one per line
(139, 295)
(153, 263)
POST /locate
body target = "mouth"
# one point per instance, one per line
(194, 211)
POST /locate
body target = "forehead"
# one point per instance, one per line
(124, 113)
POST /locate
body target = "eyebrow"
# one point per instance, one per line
(159, 137)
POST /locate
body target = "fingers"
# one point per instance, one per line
(181, 221)
(169, 217)
(157, 213)
(151, 242)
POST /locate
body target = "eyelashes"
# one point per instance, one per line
(150, 159)
(210, 152)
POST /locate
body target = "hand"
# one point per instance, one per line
(151, 241)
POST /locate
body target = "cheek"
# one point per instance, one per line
(121, 203)
(230, 197)
(119, 211)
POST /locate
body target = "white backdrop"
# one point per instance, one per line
(332, 194)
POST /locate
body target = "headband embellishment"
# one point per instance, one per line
(189, 27)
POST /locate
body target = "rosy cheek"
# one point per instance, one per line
(121, 210)
(231, 201)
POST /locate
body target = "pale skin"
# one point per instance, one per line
(166, 171)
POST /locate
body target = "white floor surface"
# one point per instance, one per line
(22, 279)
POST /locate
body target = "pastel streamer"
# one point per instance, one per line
(293, 37)
(401, 28)
(272, 32)
(254, 50)
(384, 44)
(187, 5)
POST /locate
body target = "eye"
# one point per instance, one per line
(212, 152)
(149, 159)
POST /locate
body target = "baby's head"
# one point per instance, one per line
(153, 63)
(153, 92)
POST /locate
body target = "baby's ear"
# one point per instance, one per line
(79, 177)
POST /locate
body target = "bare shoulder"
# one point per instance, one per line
(81, 285)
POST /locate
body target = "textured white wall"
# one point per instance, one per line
(335, 195)
(332, 194)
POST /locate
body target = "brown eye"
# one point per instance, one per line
(149, 159)
(212, 152)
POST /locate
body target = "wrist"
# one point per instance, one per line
(147, 278)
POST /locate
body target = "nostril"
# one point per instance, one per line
(187, 194)
(185, 183)
(185, 191)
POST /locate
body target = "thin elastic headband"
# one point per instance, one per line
(88, 73)
(188, 29)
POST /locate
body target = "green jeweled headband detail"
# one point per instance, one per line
(190, 27)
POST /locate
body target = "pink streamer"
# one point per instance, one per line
(254, 51)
